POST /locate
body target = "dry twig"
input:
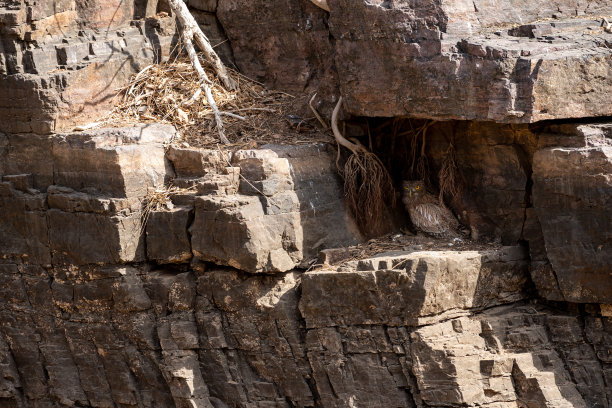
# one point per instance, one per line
(171, 93)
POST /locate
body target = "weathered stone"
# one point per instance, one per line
(70, 73)
(284, 45)
(204, 5)
(23, 227)
(167, 237)
(572, 193)
(197, 162)
(248, 233)
(66, 199)
(241, 339)
(41, 60)
(208, 23)
(424, 284)
(260, 338)
(82, 238)
(28, 154)
(89, 319)
(449, 356)
(120, 162)
(494, 166)
(431, 60)
(288, 195)
(263, 172)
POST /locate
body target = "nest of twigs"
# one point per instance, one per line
(170, 93)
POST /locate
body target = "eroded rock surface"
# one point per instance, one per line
(203, 296)
(264, 210)
(62, 61)
(516, 62)
(145, 336)
(573, 197)
(103, 309)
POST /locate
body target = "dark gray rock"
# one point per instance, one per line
(166, 233)
(573, 197)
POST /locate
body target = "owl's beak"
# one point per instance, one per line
(410, 193)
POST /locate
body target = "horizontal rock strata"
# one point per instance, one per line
(510, 62)
(145, 336)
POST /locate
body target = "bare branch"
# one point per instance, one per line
(192, 31)
(205, 85)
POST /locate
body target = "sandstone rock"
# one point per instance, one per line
(70, 72)
(28, 154)
(167, 237)
(449, 355)
(204, 5)
(430, 60)
(494, 162)
(92, 319)
(249, 326)
(120, 162)
(189, 162)
(81, 238)
(424, 284)
(263, 172)
(249, 233)
(112, 336)
(288, 195)
(23, 227)
(207, 20)
(572, 197)
(288, 46)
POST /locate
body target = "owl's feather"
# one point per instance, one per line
(426, 213)
(432, 218)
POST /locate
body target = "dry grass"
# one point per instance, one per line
(158, 199)
(252, 115)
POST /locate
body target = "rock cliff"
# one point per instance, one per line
(221, 292)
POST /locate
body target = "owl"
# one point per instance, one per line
(426, 212)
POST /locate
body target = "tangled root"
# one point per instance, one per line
(449, 176)
(368, 189)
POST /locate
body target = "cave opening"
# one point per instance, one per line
(481, 171)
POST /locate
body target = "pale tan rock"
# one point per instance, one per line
(122, 162)
(408, 288)
(278, 219)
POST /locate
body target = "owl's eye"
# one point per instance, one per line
(417, 187)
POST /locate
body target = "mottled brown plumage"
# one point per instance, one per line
(426, 212)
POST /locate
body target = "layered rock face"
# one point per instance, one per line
(500, 61)
(137, 273)
(62, 61)
(109, 305)
(405, 332)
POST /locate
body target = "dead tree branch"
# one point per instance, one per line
(191, 32)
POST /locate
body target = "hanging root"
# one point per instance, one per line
(368, 189)
(367, 184)
(449, 176)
